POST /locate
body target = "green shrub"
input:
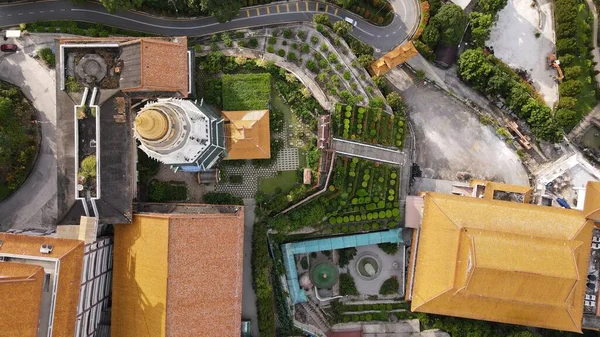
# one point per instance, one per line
(220, 198)
(314, 39)
(88, 167)
(271, 40)
(271, 49)
(390, 287)
(570, 88)
(281, 52)
(162, 191)
(253, 43)
(347, 286)
(47, 55)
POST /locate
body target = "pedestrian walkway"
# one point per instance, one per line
(366, 151)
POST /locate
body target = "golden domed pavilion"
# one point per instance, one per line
(179, 133)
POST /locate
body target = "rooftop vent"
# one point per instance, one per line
(46, 249)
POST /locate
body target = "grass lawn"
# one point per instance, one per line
(284, 180)
(246, 91)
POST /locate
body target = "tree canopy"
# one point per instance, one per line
(451, 22)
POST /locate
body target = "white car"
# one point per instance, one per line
(350, 21)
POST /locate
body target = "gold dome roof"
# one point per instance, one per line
(151, 124)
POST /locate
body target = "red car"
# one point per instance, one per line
(9, 47)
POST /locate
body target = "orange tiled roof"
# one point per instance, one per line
(178, 274)
(19, 317)
(502, 261)
(247, 134)
(394, 58)
(164, 65)
(26, 294)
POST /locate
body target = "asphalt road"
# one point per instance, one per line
(381, 38)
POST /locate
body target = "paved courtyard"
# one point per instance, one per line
(450, 139)
(514, 41)
(390, 265)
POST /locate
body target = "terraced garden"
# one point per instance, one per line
(362, 197)
(369, 125)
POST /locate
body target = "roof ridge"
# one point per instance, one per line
(433, 197)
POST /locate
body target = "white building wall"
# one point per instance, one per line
(95, 285)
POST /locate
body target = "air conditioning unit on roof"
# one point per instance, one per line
(46, 249)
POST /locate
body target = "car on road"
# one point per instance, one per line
(9, 47)
(351, 21)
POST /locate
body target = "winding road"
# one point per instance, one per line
(406, 19)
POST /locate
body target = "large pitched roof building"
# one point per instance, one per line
(178, 271)
(500, 261)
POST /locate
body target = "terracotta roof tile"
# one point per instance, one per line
(70, 254)
(206, 254)
(182, 271)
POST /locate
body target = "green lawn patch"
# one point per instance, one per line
(246, 91)
(284, 180)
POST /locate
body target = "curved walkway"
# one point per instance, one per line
(381, 38)
(34, 204)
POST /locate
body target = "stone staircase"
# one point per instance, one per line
(314, 313)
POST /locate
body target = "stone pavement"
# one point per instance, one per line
(386, 262)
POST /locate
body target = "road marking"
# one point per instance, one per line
(394, 32)
(297, 7)
(378, 35)
(62, 10)
(387, 35)
(277, 8)
(20, 13)
(288, 7)
(8, 14)
(258, 11)
(327, 8)
(188, 28)
(336, 10)
(248, 12)
(41, 12)
(31, 13)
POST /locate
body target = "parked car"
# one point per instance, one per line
(246, 329)
(9, 47)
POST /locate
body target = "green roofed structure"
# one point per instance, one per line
(339, 242)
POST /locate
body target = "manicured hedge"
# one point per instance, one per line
(162, 191)
(246, 91)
